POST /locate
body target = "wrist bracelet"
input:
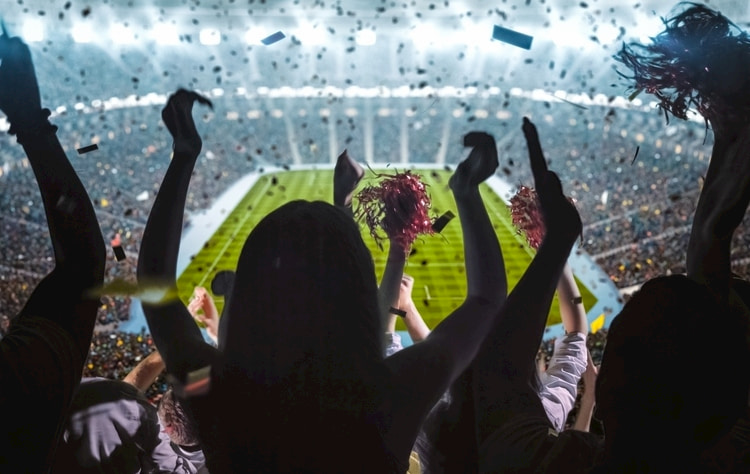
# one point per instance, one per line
(397, 312)
(576, 300)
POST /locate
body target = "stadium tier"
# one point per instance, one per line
(636, 213)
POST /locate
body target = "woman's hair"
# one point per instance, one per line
(669, 370)
(304, 301)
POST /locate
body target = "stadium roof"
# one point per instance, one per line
(157, 45)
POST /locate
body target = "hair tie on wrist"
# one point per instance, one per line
(397, 312)
(576, 300)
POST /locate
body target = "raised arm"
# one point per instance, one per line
(559, 383)
(415, 325)
(203, 309)
(390, 283)
(74, 231)
(346, 175)
(146, 372)
(176, 335)
(572, 311)
(504, 369)
(47, 343)
(588, 399)
(424, 371)
(721, 206)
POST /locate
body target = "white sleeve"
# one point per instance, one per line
(560, 381)
(163, 458)
(392, 343)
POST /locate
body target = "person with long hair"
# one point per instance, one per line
(298, 382)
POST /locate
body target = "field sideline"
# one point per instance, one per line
(436, 262)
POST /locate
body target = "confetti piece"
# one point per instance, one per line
(635, 94)
(274, 38)
(119, 253)
(597, 324)
(142, 197)
(87, 149)
(569, 102)
(198, 383)
(512, 37)
(637, 149)
(442, 221)
(397, 312)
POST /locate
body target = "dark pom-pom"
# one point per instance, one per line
(700, 60)
(527, 217)
(399, 205)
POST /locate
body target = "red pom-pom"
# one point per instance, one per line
(526, 213)
(399, 205)
(527, 216)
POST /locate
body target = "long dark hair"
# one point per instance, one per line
(670, 370)
(304, 302)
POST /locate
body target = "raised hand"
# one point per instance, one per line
(478, 166)
(19, 91)
(178, 117)
(346, 175)
(560, 215)
(589, 377)
(404, 296)
(202, 301)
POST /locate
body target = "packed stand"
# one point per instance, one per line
(474, 392)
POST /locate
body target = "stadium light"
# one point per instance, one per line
(82, 33)
(474, 34)
(33, 31)
(210, 36)
(312, 35)
(164, 33)
(365, 37)
(423, 35)
(565, 35)
(122, 34)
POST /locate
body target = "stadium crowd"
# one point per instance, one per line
(650, 200)
(478, 390)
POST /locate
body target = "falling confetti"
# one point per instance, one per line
(512, 37)
(87, 149)
(274, 38)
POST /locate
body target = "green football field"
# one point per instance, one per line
(436, 262)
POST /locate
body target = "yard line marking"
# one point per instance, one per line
(427, 292)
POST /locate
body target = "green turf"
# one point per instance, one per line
(436, 262)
